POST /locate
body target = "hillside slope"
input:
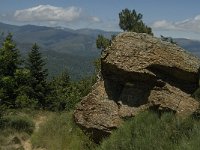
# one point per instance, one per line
(67, 48)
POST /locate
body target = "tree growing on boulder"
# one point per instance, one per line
(132, 21)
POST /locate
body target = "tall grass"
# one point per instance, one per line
(17, 123)
(60, 133)
(148, 131)
(13, 128)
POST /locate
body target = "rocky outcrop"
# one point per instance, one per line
(139, 72)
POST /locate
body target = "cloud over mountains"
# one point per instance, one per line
(76, 17)
(48, 13)
(192, 25)
(50, 16)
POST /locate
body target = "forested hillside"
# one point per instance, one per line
(74, 50)
(65, 48)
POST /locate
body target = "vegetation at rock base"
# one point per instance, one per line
(60, 132)
(148, 131)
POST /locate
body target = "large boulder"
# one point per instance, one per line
(139, 72)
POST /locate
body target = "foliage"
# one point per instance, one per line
(85, 85)
(132, 21)
(97, 65)
(9, 57)
(148, 131)
(38, 76)
(102, 42)
(23, 101)
(9, 62)
(26, 86)
(65, 94)
(57, 99)
(60, 132)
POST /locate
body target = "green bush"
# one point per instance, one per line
(23, 101)
(18, 123)
(149, 131)
(65, 94)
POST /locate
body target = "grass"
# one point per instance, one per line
(17, 123)
(60, 133)
(148, 131)
(15, 127)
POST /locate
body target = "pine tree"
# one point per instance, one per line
(9, 62)
(38, 75)
(102, 42)
(132, 21)
(9, 57)
(58, 98)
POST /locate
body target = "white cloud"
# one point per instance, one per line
(197, 17)
(48, 13)
(95, 19)
(191, 25)
(163, 24)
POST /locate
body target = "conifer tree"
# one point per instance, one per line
(9, 62)
(102, 42)
(38, 75)
(9, 57)
(132, 21)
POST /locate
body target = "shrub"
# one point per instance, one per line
(149, 131)
(23, 101)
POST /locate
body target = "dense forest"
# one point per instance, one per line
(24, 82)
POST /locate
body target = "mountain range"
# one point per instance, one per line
(64, 48)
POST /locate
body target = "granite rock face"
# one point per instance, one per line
(139, 72)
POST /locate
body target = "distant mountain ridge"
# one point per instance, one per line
(190, 45)
(65, 40)
(62, 47)
(68, 48)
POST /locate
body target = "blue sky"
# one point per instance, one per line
(175, 18)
